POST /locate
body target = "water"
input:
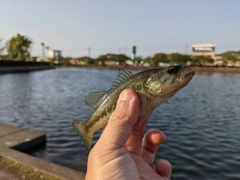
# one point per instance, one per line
(202, 122)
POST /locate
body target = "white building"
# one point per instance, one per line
(54, 54)
(203, 50)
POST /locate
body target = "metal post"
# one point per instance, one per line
(89, 52)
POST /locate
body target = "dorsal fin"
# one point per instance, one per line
(121, 78)
(93, 98)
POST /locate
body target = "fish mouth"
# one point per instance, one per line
(189, 73)
(185, 74)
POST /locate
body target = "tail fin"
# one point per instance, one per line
(84, 134)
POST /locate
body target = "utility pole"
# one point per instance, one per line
(125, 50)
(89, 52)
(186, 48)
(47, 48)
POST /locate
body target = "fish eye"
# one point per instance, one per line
(172, 70)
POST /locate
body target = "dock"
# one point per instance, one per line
(16, 164)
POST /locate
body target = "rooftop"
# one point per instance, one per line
(203, 45)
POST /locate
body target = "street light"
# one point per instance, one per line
(43, 45)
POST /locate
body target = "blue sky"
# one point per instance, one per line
(107, 26)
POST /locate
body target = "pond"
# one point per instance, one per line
(202, 121)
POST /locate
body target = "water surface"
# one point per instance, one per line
(202, 121)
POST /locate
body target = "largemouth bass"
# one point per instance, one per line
(153, 86)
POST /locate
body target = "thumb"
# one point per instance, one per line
(121, 121)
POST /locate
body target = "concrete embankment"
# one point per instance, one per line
(15, 164)
(22, 69)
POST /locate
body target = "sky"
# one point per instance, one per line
(92, 27)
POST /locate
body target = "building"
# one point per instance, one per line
(203, 50)
(54, 54)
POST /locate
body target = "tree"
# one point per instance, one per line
(207, 60)
(1, 47)
(121, 58)
(147, 60)
(159, 57)
(19, 46)
(180, 59)
(229, 57)
(138, 60)
(65, 61)
(102, 59)
(202, 60)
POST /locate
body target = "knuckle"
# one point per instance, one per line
(119, 115)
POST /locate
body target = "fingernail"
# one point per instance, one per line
(125, 96)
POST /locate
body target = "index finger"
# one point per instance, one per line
(134, 142)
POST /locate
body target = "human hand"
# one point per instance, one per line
(122, 151)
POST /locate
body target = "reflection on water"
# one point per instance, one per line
(202, 122)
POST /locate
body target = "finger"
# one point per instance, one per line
(121, 121)
(163, 168)
(150, 144)
(134, 142)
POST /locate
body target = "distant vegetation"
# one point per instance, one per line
(18, 49)
(230, 56)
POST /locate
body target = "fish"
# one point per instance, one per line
(153, 86)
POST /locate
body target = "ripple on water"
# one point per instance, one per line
(202, 122)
